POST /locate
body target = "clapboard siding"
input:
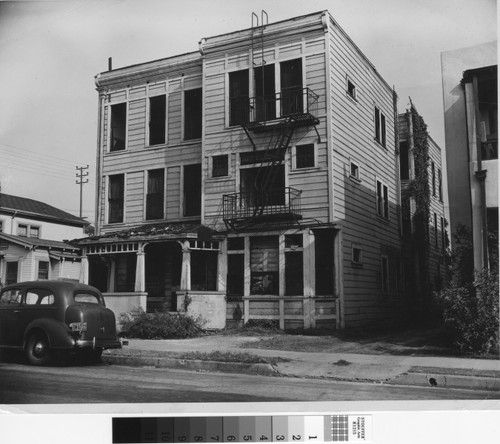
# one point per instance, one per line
(173, 192)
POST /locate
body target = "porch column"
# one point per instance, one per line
(84, 270)
(186, 267)
(222, 267)
(140, 270)
(111, 277)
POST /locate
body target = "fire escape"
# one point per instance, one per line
(269, 120)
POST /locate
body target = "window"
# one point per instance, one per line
(382, 200)
(436, 238)
(157, 119)
(34, 231)
(351, 89)
(39, 296)
(118, 126)
(192, 190)
(192, 114)
(440, 185)
(443, 234)
(22, 230)
(87, 298)
(433, 170)
(291, 87)
(265, 97)
(155, 195)
(384, 274)
(304, 156)
(11, 297)
(11, 273)
(404, 161)
(116, 198)
(380, 132)
(294, 265)
(43, 270)
(1, 226)
(220, 166)
(264, 265)
(236, 267)
(239, 104)
(354, 171)
(357, 255)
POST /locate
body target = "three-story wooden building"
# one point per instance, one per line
(254, 179)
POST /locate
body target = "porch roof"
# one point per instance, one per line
(152, 232)
(34, 242)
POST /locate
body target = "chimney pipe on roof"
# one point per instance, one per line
(110, 64)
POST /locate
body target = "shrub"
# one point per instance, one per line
(470, 312)
(160, 325)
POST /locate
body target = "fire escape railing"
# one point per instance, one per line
(288, 103)
(275, 202)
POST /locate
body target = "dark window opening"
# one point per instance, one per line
(436, 237)
(304, 156)
(251, 157)
(324, 260)
(239, 101)
(291, 87)
(404, 167)
(265, 94)
(192, 190)
(236, 243)
(351, 89)
(235, 274)
(354, 171)
(382, 200)
(294, 273)
(263, 186)
(118, 126)
(220, 166)
(356, 255)
(11, 272)
(116, 198)
(125, 272)
(192, 114)
(440, 185)
(155, 196)
(380, 130)
(157, 119)
(22, 230)
(204, 270)
(433, 175)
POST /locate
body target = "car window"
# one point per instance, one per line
(39, 296)
(11, 297)
(87, 297)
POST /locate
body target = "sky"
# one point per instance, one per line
(50, 52)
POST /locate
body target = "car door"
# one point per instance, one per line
(37, 303)
(10, 309)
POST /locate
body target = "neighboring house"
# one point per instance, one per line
(254, 179)
(424, 224)
(470, 78)
(32, 243)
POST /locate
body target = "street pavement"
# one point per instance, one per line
(382, 368)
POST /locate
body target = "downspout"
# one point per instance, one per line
(480, 174)
(99, 155)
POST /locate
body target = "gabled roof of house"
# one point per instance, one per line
(34, 242)
(34, 209)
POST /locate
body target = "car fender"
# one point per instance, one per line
(58, 333)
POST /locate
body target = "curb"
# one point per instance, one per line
(440, 380)
(191, 364)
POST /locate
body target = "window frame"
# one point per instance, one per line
(110, 128)
(213, 166)
(38, 269)
(150, 196)
(112, 201)
(356, 177)
(380, 122)
(359, 261)
(352, 93)
(295, 156)
(159, 122)
(384, 210)
(192, 122)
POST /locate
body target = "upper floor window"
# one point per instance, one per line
(304, 156)
(118, 126)
(34, 231)
(291, 87)
(433, 174)
(380, 130)
(157, 119)
(192, 114)
(351, 89)
(155, 194)
(192, 190)
(220, 166)
(116, 194)
(440, 185)
(22, 230)
(354, 171)
(239, 96)
(1, 226)
(382, 200)
(404, 161)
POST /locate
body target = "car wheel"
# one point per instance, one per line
(38, 349)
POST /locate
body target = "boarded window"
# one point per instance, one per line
(157, 119)
(118, 126)
(116, 198)
(192, 114)
(155, 196)
(304, 156)
(264, 265)
(220, 166)
(192, 190)
(239, 101)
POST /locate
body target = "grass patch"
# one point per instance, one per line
(217, 356)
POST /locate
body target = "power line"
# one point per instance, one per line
(80, 175)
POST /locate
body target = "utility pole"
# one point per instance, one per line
(80, 175)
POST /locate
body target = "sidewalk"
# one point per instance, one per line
(451, 372)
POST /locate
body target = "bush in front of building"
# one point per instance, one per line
(160, 325)
(470, 313)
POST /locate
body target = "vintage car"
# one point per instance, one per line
(41, 317)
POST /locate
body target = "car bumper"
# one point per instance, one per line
(98, 343)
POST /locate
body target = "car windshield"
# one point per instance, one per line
(87, 297)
